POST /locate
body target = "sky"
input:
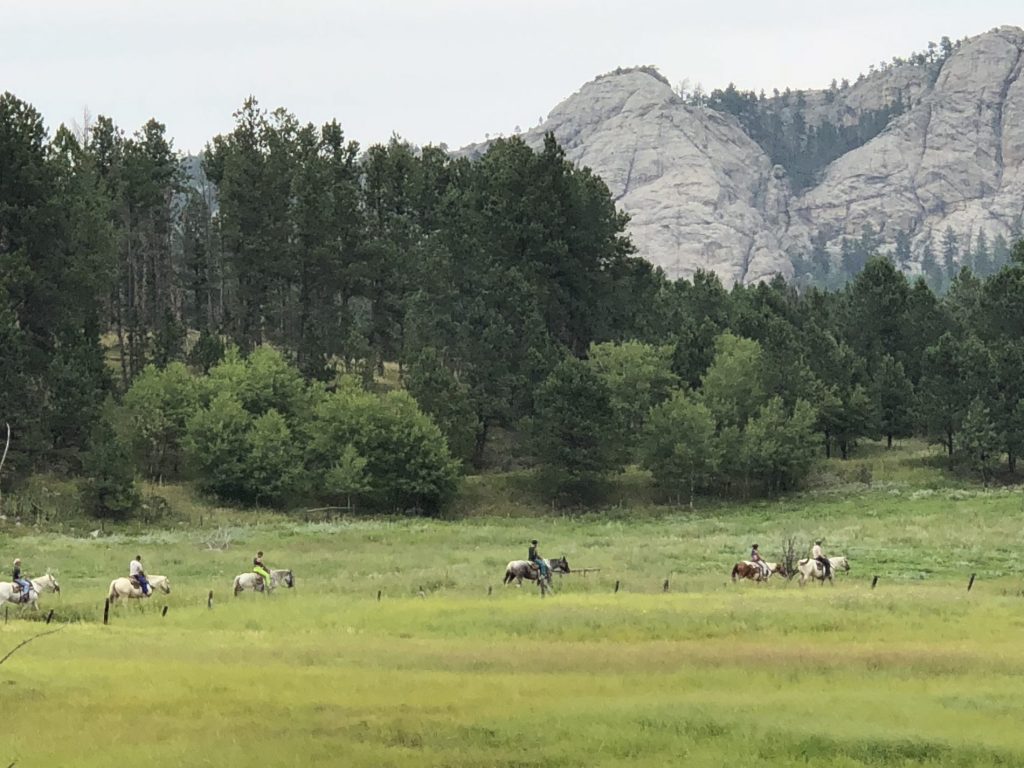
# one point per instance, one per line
(433, 71)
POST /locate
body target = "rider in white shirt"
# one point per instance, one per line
(135, 571)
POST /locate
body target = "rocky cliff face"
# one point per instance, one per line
(703, 194)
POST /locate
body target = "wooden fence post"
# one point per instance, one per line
(164, 611)
(379, 593)
(209, 599)
(106, 611)
(874, 581)
(616, 587)
(664, 587)
(971, 582)
(49, 616)
(489, 591)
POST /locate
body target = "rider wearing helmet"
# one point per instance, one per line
(261, 570)
(537, 560)
(756, 559)
(24, 584)
(135, 572)
(818, 555)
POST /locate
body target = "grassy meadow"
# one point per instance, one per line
(449, 668)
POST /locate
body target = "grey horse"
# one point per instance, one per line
(517, 570)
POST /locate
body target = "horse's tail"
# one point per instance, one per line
(735, 571)
(508, 576)
(237, 585)
(112, 593)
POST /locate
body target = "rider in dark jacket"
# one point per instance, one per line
(535, 558)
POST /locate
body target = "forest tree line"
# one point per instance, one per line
(503, 288)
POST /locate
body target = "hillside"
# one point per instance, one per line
(932, 146)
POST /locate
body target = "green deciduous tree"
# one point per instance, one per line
(347, 476)
(638, 376)
(778, 447)
(273, 463)
(157, 409)
(407, 460)
(217, 444)
(732, 386)
(680, 446)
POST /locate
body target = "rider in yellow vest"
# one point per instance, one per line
(261, 570)
(818, 555)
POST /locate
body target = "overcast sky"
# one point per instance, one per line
(434, 70)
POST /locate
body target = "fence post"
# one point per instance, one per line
(874, 581)
(489, 591)
(616, 587)
(664, 587)
(106, 611)
(49, 616)
(971, 582)
(379, 593)
(209, 599)
(164, 611)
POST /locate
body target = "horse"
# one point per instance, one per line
(125, 587)
(812, 569)
(748, 570)
(517, 570)
(39, 585)
(251, 580)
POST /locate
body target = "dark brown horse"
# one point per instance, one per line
(748, 570)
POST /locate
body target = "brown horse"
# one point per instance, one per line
(748, 570)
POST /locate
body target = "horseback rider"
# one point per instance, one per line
(756, 559)
(537, 560)
(23, 585)
(261, 570)
(135, 573)
(818, 555)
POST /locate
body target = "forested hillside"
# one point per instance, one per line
(318, 321)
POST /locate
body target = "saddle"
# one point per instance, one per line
(23, 595)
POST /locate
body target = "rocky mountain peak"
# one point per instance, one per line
(749, 187)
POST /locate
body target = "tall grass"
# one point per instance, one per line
(449, 668)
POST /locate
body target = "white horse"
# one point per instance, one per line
(517, 570)
(42, 584)
(250, 580)
(812, 569)
(125, 587)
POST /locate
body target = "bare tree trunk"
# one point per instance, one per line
(3, 458)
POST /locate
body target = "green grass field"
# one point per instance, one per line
(917, 672)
